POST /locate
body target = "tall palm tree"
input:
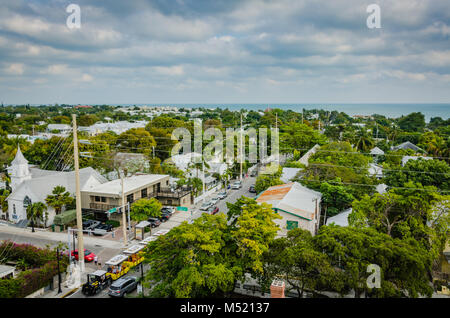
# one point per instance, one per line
(365, 140)
(35, 213)
(59, 199)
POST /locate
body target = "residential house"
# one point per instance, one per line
(298, 206)
(340, 219)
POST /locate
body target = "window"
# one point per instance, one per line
(143, 193)
(103, 199)
(26, 202)
(97, 199)
(130, 198)
(291, 225)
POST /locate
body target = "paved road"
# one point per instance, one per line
(175, 220)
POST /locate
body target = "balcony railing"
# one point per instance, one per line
(168, 193)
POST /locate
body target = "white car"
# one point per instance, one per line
(236, 185)
(222, 195)
(205, 206)
(215, 200)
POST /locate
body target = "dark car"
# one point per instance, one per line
(154, 222)
(165, 216)
(167, 209)
(122, 286)
(213, 210)
(87, 224)
(102, 228)
(252, 189)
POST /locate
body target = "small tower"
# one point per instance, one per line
(19, 171)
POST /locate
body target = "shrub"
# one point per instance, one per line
(113, 223)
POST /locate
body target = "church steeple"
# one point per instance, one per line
(19, 170)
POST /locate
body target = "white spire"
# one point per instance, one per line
(19, 159)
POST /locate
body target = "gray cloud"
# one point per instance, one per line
(222, 51)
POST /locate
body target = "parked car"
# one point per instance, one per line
(222, 195)
(88, 255)
(205, 206)
(215, 200)
(253, 173)
(165, 216)
(102, 229)
(90, 225)
(122, 286)
(87, 224)
(213, 210)
(252, 189)
(169, 209)
(154, 222)
(236, 185)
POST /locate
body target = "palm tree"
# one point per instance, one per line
(35, 212)
(58, 199)
(365, 141)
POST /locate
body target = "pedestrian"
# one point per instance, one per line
(95, 260)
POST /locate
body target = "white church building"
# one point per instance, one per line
(29, 184)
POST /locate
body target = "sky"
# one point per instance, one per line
(224, 51)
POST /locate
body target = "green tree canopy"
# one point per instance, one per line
(143, 209)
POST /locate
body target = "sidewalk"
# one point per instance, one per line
(60, 236)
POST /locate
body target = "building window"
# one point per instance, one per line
(130, 198)
(290, 225)
(143, 193)
(26, 202)
(103, 199)
(97, 199)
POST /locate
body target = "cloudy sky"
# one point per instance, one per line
(224, 51)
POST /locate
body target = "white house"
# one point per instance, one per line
(340, 219)
(61, 128)
(298, 206)
(289, 173)
(405, 159)
(31, 184)
(305, 159)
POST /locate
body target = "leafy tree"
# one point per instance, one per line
(87, 120)
(137, 140)
(335, 198)
(143, 209)
(263, 182)
(338, 160)
(59, 199)
(296, 260)
(413, 122)
(405, 265)
(300, 136)
(434, 144)
(189, 261)
(426, 172)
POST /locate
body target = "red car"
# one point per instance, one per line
(213, 210)
(88, 255)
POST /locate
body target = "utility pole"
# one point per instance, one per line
(242, 151)
(124, 216)
(78, 195)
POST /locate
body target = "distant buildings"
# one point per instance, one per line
(405, 159)
(298, 206)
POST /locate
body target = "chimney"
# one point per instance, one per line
(277, 289)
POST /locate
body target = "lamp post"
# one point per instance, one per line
(59, 272)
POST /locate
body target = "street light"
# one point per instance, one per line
(59, 272)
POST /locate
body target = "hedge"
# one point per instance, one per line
(114, 223)
(31, 280)
(65, 218)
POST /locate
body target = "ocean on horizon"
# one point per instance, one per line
(388, 110)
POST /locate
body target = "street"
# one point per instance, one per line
(175, 220)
